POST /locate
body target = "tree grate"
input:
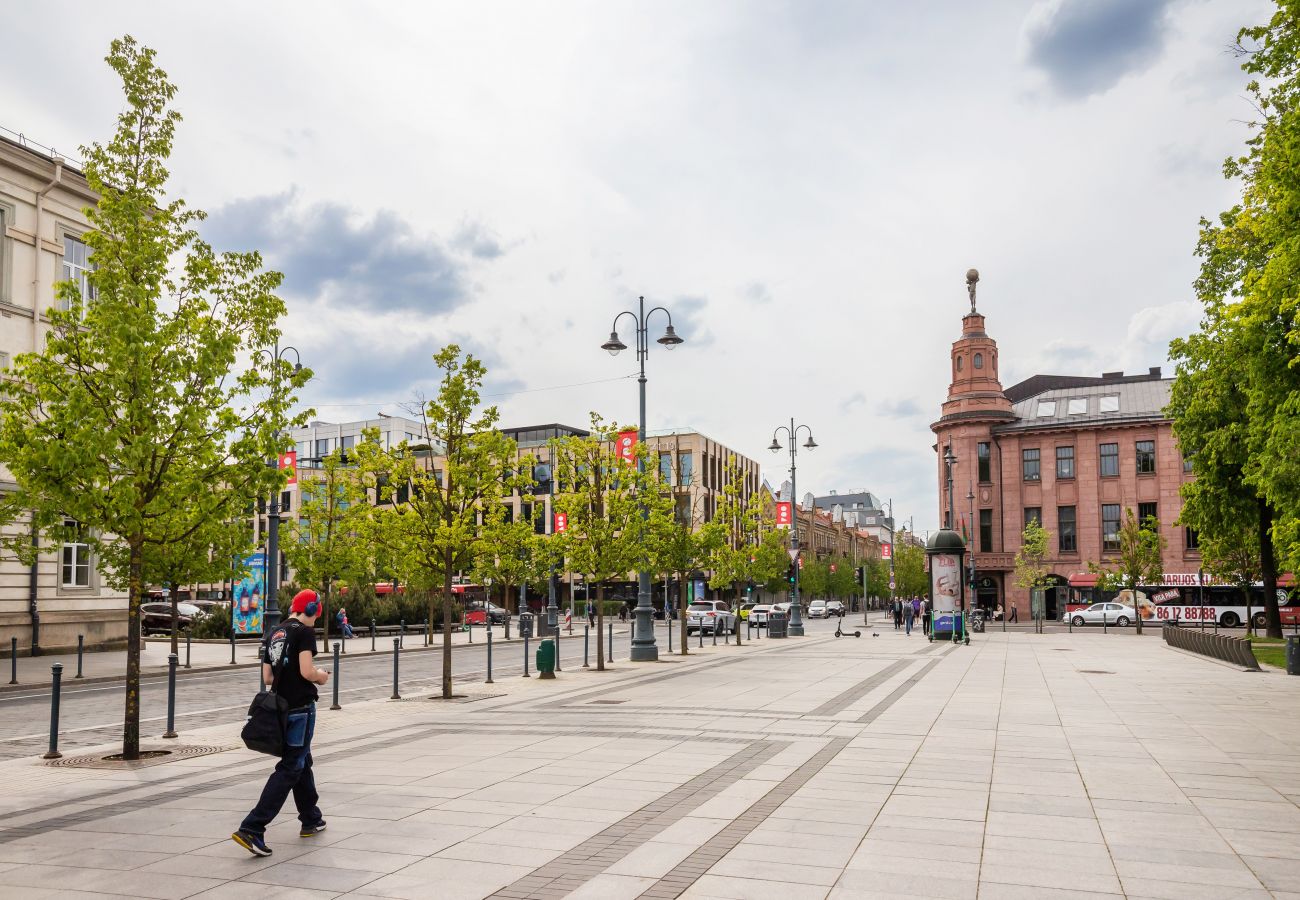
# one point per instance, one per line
(149, 756)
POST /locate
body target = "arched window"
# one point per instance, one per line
(959, 364)
(979, 360)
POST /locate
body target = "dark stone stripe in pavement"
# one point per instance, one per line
(576, 867)
(846, 698)
(876, 711)
(688, 871)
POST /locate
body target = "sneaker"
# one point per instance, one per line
(253, 843)
(309, 830)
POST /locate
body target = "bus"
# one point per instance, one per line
(1189, 597)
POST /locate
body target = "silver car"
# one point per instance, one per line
(1111, 613)
(711, 617)
(817, 609)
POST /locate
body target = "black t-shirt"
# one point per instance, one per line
(283, 645)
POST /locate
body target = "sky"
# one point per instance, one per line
(802, 185)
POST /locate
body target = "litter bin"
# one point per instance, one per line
(546, 659)
(777, 625)
(1293, 654)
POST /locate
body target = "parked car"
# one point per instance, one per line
(817, 609)
(478, 613)
(758, 615)
(710, 617)
(157, 617)
(834, 608)
(745, 608)
(1113, 613)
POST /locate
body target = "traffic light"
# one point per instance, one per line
(749, 588)
(789, 573)
(857, 574)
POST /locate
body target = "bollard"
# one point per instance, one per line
(557, 648)
(738, 630)
(372, 635)
(171, 696)
(397, 646)
(586, 647)
(610, 643)
(669, 620)
(489, 658)
(13, 660)
(1103, 622)
(428, 630)
(715, 631)
(1071, 620)
(526, 675)
(55, 686)
(701, 634)
(401, 634)
(81, 649)
(232, 645)
(343, 636)
(469, 626)
(335, 704)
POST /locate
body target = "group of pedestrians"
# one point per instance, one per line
(907, 612)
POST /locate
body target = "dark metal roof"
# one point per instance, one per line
(1037, 384)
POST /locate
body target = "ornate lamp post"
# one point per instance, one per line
(792, 435)
(271, 615)
(643, 627)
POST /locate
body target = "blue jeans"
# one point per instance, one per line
(292, 774)
(908, 621)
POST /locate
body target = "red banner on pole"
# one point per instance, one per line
(289, 462)
(784, 514)
(886, 551)
(626, 447)
(561, 522)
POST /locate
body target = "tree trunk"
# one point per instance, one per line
(446, 623)
(131, 718)
(683, 593)
(1268, 568)
(600, 630)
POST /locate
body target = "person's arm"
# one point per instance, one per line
(268, 675)
(309, 670)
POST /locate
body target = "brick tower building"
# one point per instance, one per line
(1071, 451)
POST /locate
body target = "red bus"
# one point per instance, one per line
(1185, 597)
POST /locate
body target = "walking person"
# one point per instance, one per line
(898, 614)
(1015, 614)
(925, 616)
(909, 614)
(591, 614)
(288, 651)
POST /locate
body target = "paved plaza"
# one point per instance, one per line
(1021, 767)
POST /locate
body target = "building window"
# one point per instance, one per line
(1147, 511)
(286, 499)
(986, 531)
(75, 570)
(666, 468)
(982, 454)
(77, 268)
(347, 442)
(322, 448)
(686, 467)
(1146, 457)
(1187, 464)
(1066, 537)
(979, 360)
(1077, 406)
(1192, 540)
(7, 211)
(1034, 514)
(1064, 462)
(1109, 459)
(1029, 464)
(1110, 526)
(1046, 408)
(958, 363)
(1109, 403)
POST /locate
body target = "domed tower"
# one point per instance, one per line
(966, 452)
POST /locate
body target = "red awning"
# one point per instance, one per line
(1083, 580)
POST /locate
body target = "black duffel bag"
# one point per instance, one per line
(268, 716)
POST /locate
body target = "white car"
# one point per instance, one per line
(817, 609)
(758, 615)
(1107, 613)
(710, 617)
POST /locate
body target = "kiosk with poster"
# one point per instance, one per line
(246, 599)
(946, 553)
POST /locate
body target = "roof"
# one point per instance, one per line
(866, 498)
(1037, 384)
(1134, 401)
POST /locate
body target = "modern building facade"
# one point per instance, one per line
(42, 196)
(1072, 452)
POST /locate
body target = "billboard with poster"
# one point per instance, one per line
(945, 589)
(247, 598)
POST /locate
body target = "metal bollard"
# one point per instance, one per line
(343, 636)
(701, 634)
(397, 646)
(526, 675)
(1103, 622)
(401, 635)
(558, 629)
(13, 660)
(715, 631)
(81, 649)
(171, 696)
(469, 626)
(428, 631)
(507, 626)
(586, 646)
(335, 704)
(232, 644)
(610, 643)
(372, 635)
(489, 658)
(56, 685)
(188, 648)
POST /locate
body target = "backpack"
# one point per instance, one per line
(268, 715)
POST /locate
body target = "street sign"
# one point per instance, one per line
(891, 582)
(794, 554)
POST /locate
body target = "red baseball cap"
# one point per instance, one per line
(300, 601)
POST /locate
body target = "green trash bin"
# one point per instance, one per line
(546, 659)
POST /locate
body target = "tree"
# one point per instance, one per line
(1140, 559)
(1233, 556)
(327, 541)
(877, 577)
(427, 520)
(1032, 571)
(910, 577)
(684, 543)
(133, 426)
(739, 559)
(509, 550)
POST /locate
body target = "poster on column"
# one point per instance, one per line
(247, 598)
(945, 582)
(626, 448)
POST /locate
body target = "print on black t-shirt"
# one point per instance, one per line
(283, 647)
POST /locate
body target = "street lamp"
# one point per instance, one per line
(271, 615)
(792, 434)
(643, 627)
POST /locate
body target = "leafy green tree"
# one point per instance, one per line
(910, 577)
(134, 421)
(877, 577)
(427, 519)
(684, 543)
(1140, 560)
(1233, 556)
(1031, 569)
(509, 551)
(327, 542)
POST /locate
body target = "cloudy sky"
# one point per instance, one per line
(803, 184)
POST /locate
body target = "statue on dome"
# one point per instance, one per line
(972, 278)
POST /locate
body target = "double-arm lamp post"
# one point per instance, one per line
(792, 435)
(271, 615)
(643, 628)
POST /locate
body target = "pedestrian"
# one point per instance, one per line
(288, 669)
(909, 613)
(1015, 613)
(898, 614)
(925, 616)
(591, 614)
(344, 625)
